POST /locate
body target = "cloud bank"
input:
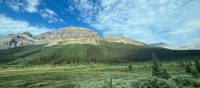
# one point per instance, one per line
(33, 6)
(11, 26)
(171, 21)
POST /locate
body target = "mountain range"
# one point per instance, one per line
(68, 35)
(82, 45)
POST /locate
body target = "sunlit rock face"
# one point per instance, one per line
(70, 35)
(122, 39)
(17, 40)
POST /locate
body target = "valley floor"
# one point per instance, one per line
(84, 76)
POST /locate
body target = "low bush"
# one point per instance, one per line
(187, 80)
(154, 82)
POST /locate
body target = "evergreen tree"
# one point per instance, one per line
(181, 64)
(188, 69)
(130, 68)
(190, 63)
(195, 73)
(197, 66)
(156, 68)
(165, 74)
(109, 83)
(157, 71)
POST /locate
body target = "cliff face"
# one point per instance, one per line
(70, 35)
(63, 36)
(122, 39)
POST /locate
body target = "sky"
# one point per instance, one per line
(175, 22)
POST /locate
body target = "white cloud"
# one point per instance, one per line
(187, 28)
(16, 6)
(50, 15)
(146, 20)
(12, 26)
(32, 6)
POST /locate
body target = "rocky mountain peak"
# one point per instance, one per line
(27, 34)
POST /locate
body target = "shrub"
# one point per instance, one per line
(165, 74)
(155, 82)
(188, 69)
(157, 71)
(130, 68)
(188, 81)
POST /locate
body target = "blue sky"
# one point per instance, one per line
(175, 22)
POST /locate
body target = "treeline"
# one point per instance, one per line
(10, 55)
(161, 78)
(86, 53)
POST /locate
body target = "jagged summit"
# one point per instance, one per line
(28, 34)
(66, 35)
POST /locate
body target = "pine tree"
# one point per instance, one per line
(197, 66)
(109, 83)
(155, 68)
(165, 74)
(181, 64)
(130, 68)
(188, 69)
(157, 71)
(190, 62)
(195, 73)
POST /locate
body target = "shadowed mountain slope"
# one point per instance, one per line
(105, 52)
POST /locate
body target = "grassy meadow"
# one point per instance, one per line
(92, 76)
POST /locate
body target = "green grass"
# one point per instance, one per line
(89, 66)
(84, 76)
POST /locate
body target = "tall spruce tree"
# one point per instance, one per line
(197, 65)
(188, 69)
(157, 71)
(165, 74)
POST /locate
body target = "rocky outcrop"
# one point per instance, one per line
(122, 39)
(17, 40)
(70, 35)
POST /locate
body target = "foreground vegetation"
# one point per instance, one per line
(130, 75)
(108, 65)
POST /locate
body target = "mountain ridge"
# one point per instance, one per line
(81, 45)
(66, 35)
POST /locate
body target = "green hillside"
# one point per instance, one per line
(86, 53)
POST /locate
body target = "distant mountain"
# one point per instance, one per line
(122, 39)
(193, 46)
(17, 40)
(68, 35)
(160, 44)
